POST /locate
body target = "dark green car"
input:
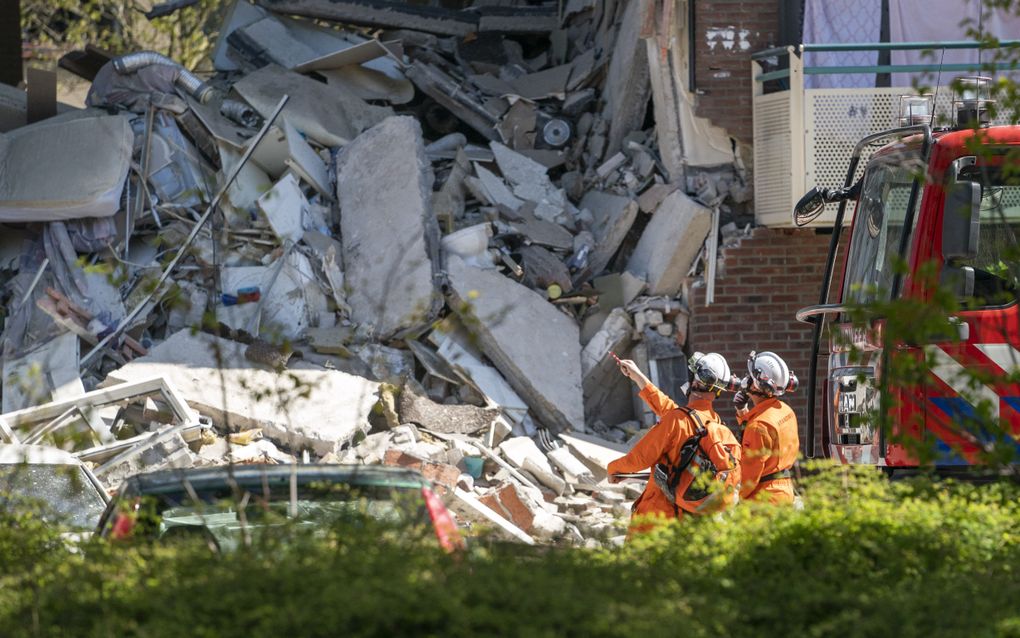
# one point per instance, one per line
(222, 504)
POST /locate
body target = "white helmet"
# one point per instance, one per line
(709, 372)
(770, 374)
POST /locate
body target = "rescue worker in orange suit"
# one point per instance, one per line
(769, 437)
(662, 444)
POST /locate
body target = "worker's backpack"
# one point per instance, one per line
(706, 475)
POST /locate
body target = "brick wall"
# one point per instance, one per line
(726, 33)
(763, 283)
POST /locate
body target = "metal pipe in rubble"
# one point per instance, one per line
(186, 80)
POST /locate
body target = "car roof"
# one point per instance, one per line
(206, 477)
(15, 453)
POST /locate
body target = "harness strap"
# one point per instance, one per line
(775, 476)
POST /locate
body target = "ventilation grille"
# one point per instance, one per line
(772, 166)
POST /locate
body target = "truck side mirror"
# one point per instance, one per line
(961, 221)
(958, 280)
(809, 206)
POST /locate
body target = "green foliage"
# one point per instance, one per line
(54, 27)
(865, 557)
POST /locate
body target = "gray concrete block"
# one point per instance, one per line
(613, 216)
(670, 243)
(390, 237)
(533, 344)
(214, 377)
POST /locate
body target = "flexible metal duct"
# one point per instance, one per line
(186, 80)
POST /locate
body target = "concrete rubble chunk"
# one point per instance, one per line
(496, 191)
(569, 464)
(284, 206)
(455, 348)
(517, 449)
(628, 84)
(51, 170)
(532, 343)
(613, 216)
(414, 407)
(390, 237)
(47, 373)
(334, 411)
(596, 453)
(531, 182)
(329, 115)
(607, 393)
(670, 243)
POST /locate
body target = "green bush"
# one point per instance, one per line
(865, 557)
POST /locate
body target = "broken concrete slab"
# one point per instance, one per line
(613, 216)
(390, 237)
(414, 407)
(570, 465)
(670, 243)
(596, 453)
(214, 377)
(628, 85)
(650, 200)
(495, 190)
(51, 170)
(304, 161)
(547, 83)
(531, 182)
(456, 348)
(530, 341)
(541, 232)
(519, 449)
(285, 206)
(448, 92)
(49, 372)
(331, 116)
(607, 393)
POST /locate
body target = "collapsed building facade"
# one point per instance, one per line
(377, 234)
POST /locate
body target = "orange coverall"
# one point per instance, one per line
(770, 443)
(663, 440)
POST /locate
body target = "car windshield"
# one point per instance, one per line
(878, 227)
(224, 514)
(64, 494)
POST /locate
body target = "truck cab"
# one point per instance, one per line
(947, 204)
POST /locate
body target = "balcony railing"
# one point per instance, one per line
(804, 136)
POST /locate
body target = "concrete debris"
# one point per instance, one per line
(413, 407)
(422, 247)
(670, 244)
(390, 237)
(215, 379)
(533, 344)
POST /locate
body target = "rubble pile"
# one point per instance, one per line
(378, 234)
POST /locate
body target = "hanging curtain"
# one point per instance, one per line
(841, 21)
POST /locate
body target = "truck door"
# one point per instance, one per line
(970, 400)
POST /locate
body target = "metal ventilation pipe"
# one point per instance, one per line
(186, 80)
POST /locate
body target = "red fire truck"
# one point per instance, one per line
(947, 197)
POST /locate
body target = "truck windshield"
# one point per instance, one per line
(878, 228)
